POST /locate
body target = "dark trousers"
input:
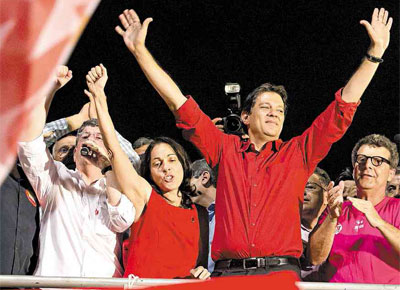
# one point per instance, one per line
(258, 271)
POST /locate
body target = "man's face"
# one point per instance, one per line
(368, 176)
(350, 189)
(266, 117)
(142, 149)
(90, 136)
(313, 194)
(393, 187)
(62, 147)
(197, 195)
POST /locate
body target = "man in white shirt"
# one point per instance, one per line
(82, 211)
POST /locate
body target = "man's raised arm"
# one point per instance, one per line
(379, 34)
(38, 115)
(321, 238)
(134, 35)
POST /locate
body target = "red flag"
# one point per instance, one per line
(35, 37)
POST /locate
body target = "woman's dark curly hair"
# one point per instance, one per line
(185, 188)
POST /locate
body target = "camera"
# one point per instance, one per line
(85, 151)
(232, 123)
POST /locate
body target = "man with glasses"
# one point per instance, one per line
(315, 202)
(360, 237)
(393, 187)
(257, 206)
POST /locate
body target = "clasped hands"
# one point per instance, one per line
(335, 202)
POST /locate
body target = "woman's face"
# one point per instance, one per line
(165, 168)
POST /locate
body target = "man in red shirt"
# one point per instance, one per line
(257, 226)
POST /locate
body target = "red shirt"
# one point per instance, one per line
(164, 242)
(259, 194)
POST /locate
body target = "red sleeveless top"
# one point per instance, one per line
(164, 242)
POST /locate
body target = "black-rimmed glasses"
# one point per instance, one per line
(310, 186)
(376, 160)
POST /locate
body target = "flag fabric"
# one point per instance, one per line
(35, 37)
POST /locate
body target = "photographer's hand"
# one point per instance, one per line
(219, 126)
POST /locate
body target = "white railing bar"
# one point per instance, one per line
(19, 281)
(345, 286)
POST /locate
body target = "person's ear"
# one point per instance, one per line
(325, 197)
(392, 173)
(245, 117)
(74, 154)
(205, 177)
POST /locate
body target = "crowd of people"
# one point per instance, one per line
(98, 206)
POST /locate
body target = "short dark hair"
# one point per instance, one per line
(346, 174)
(88, 123)
(198, 167)
(267, 87)
(139, 142)
(323, 176)
(376, 140)
(185, 188)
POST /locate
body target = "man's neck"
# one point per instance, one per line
(375, 196)
(309, 220)
(208, 197)
(90, 173)
(260, 140)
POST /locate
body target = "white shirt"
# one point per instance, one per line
(78, 226)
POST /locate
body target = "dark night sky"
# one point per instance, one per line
(311, 47)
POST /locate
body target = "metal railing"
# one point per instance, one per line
(16, 281)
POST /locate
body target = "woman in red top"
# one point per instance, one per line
(165, 235)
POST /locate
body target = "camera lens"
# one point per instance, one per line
(233, 123)
(85, 151)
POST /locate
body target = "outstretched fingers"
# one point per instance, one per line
(124, 20)
(385, 16)
(381, 14)
(146, 23)
(132, 17)
(375, 15)
(389, 23)
(119, 30)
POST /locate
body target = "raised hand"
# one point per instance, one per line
(335, 199)
(379, 30)
(97, 78)
(63, 76)
(98, 155)
(133, 32)
(219, 126)
(366, 207)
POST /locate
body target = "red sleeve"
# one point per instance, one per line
(327, 128)
(199, 130)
